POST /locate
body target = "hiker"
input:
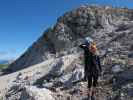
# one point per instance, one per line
(92, 67)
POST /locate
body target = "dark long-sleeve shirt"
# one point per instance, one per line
(92, 62)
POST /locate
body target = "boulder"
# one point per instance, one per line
(57, 68)
(34, 93)
(117, 69)
(77, 74)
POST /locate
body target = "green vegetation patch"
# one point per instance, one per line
(1, 98)
(3, 66)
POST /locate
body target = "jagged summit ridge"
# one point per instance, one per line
(69, 29)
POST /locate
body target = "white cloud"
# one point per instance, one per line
(7, 55)
(3, 53)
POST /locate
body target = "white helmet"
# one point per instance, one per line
(88, 40)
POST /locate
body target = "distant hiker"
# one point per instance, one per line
(92, 67)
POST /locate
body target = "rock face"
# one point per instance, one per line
(43, 81)
(61, 79)
(33, 93)
(59, 70)
(105, 24)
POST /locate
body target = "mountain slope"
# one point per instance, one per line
(59, 76)
(32, 74)
(101, 23)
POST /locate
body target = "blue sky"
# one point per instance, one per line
(23, 21)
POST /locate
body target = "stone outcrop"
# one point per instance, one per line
(33, 93)
(104, 24)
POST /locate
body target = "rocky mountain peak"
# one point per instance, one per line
(53, 67)
(64, 37)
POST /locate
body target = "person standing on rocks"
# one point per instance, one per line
(92, 67)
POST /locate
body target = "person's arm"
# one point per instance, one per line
(83, 46)
(99, 63)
